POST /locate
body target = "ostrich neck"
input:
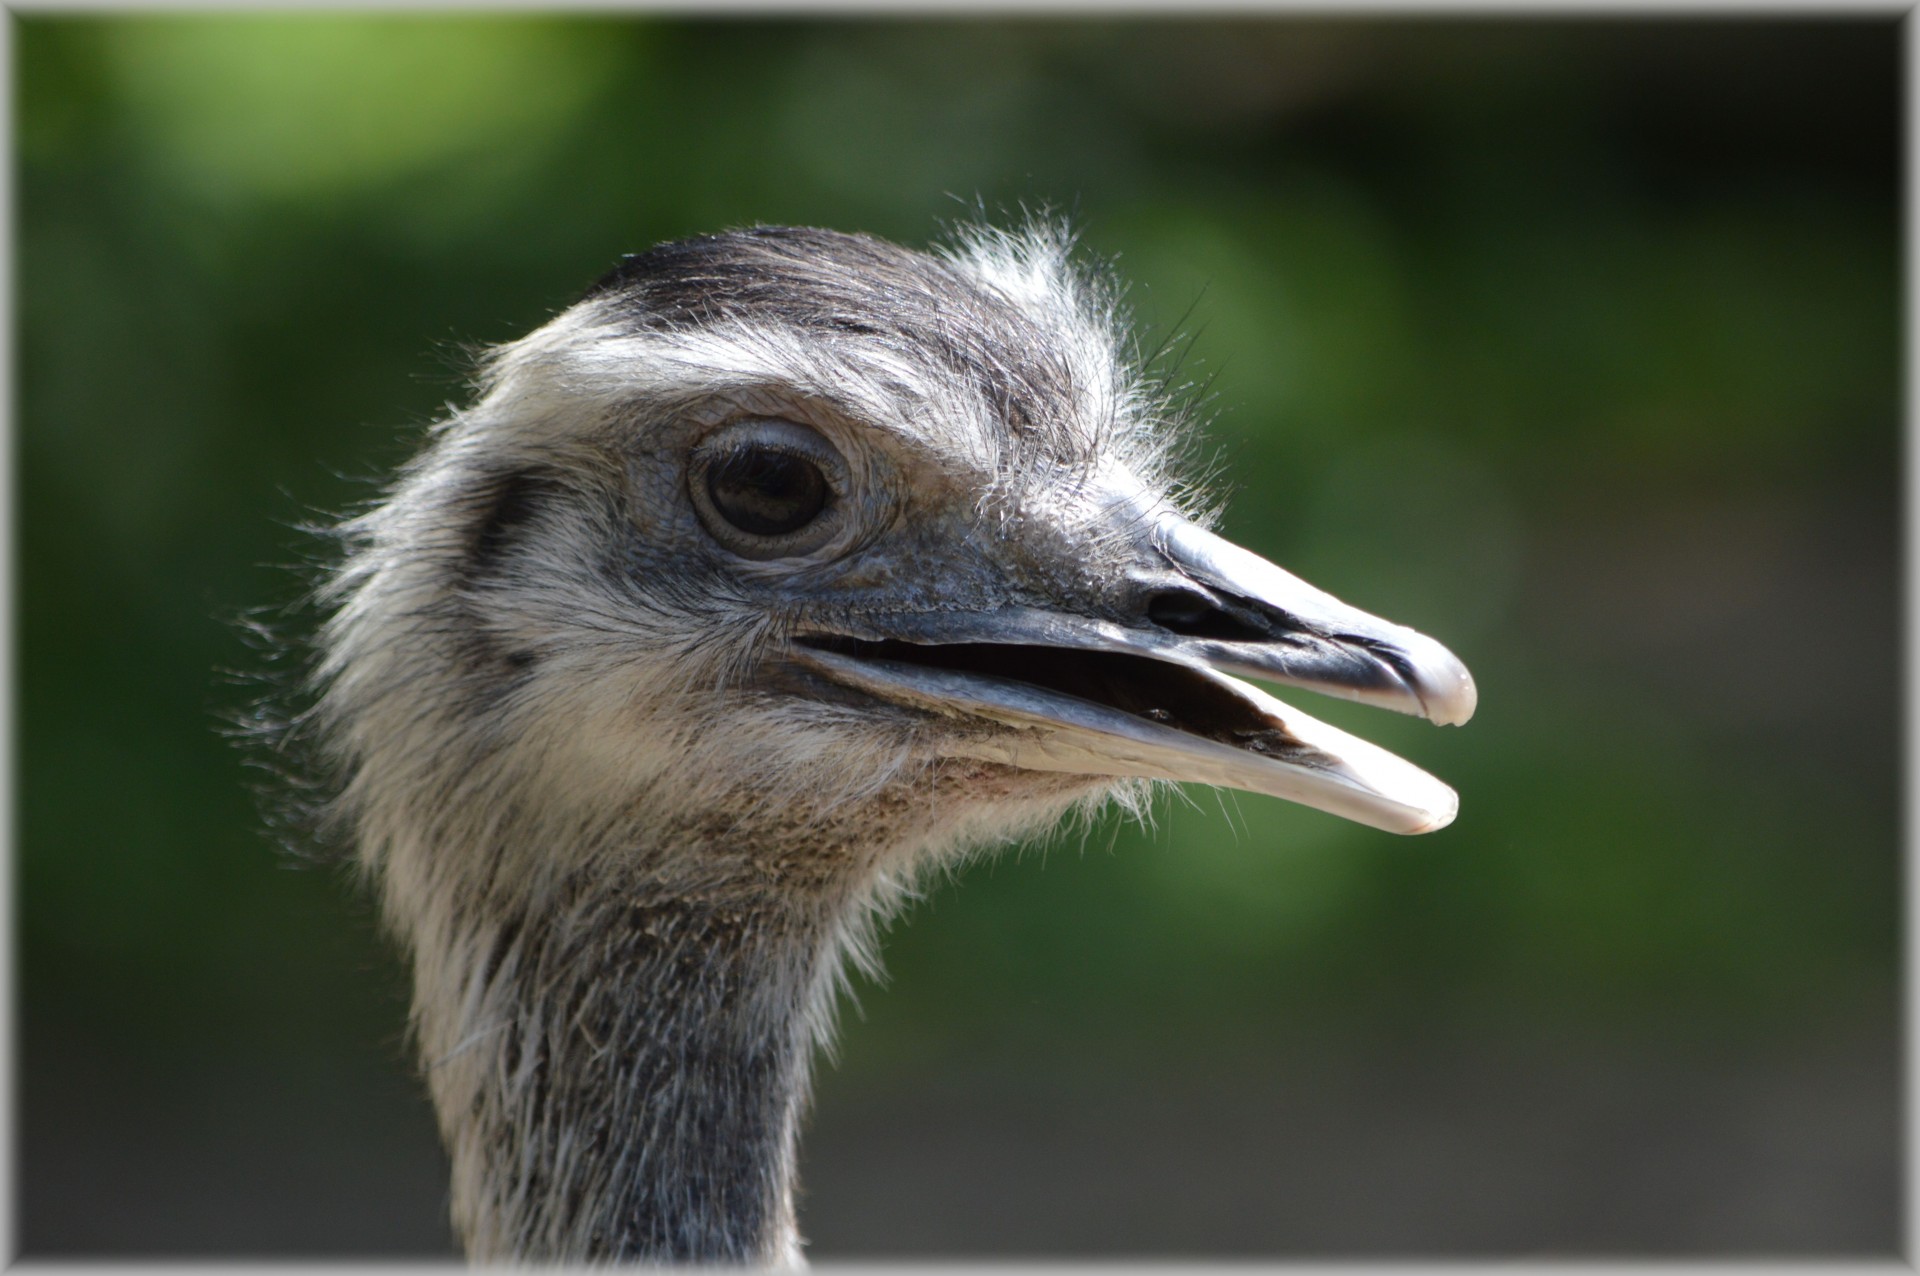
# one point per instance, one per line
(620, 1062)
(625, 1075)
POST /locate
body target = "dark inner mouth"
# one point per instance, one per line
(1154, 690)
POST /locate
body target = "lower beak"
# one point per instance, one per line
(1055, 690)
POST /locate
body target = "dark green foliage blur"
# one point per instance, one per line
(1571, 343)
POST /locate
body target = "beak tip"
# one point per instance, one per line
(1454, 706)
(1441, 818)
(1443, 685)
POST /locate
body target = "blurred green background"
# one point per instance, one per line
(1573, 343)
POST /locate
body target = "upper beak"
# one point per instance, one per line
(1144, 690)
(1290, 632)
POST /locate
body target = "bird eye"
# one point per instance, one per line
(768, 489)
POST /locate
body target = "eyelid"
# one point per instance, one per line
(788, 437)
(781, 448)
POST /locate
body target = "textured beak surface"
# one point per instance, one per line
(1154, 697)
(1312, 639)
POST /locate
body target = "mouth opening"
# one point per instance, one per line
(1154, 690)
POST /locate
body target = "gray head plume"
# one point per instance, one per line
(782, 565)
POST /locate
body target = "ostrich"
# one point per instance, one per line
(783, 565)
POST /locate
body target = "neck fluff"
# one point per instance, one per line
(618, 1051)
(623, 1078)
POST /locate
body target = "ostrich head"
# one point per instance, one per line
(782, 565)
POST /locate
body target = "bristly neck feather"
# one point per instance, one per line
(617, 1035)
(626, 1075)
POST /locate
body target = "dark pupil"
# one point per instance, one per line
(767, 492)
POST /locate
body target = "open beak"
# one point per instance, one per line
(1155, 697)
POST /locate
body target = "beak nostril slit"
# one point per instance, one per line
(1194, 615)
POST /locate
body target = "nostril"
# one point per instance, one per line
(1178, 610)
(1194, 615)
